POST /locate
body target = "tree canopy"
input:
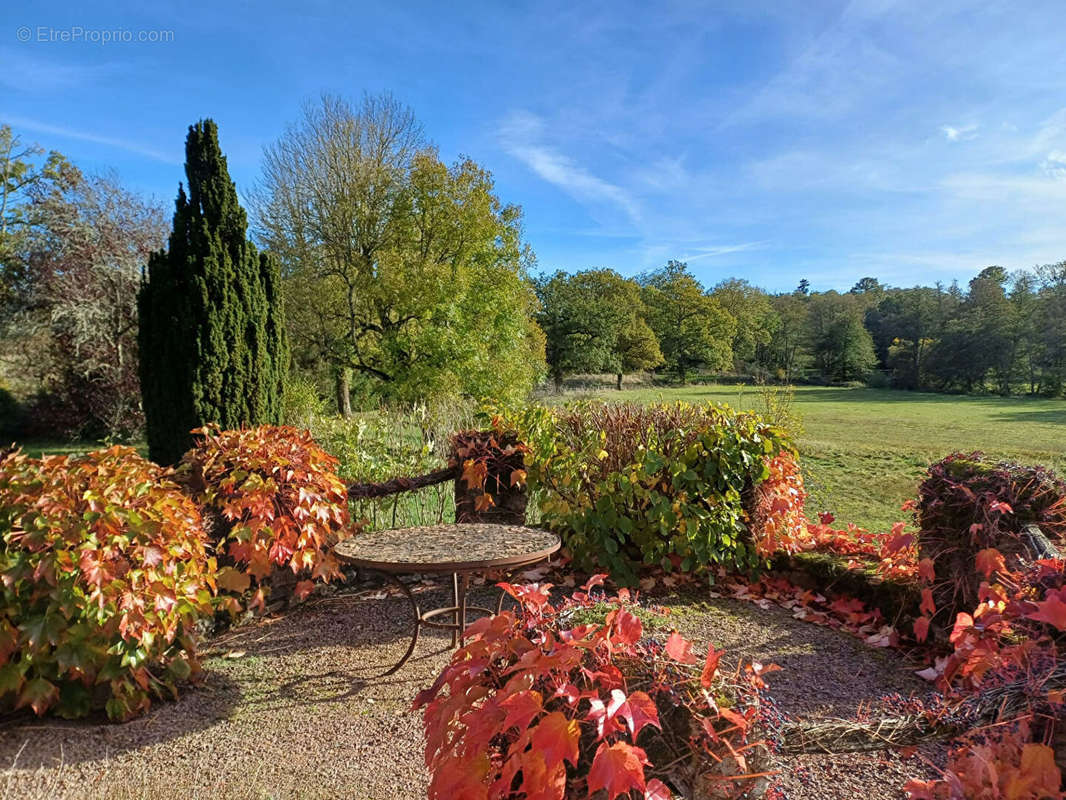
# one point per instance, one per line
(405, 270)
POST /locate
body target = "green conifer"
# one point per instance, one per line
(212, 336)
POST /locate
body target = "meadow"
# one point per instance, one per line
(864, 451)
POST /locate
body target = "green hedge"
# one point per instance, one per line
(631, 484)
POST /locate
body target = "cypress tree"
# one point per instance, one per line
(212, 335)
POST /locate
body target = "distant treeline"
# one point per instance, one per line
(1004, 333)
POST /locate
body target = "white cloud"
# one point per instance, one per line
(521, 136)
(961, 134)
(1054, 165)
(88, 136)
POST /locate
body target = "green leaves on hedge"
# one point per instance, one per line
(630, 484)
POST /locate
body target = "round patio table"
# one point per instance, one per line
(463, 549)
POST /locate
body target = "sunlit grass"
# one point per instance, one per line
(865, 450)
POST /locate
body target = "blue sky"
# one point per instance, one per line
(912, 141)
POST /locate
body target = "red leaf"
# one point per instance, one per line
(302, 589)
(926, 570)
(638, 710)
(928, 606)
(555, 738)
(628, 629)
(921, 628)
(521, 707)
(963, 623)
(617, 768)
(595, 580)
(539, 780)
(680, 649)
(657, 791)
(1052, 610)
(990, 560)
(710, 666)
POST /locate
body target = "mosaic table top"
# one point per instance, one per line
(444, 548)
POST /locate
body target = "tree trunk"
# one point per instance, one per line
(619, 386)
(344, 392)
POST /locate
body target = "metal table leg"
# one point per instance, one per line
(417, 625)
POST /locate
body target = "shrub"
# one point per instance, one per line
(274, 501)
(104, 575)
(530, 707)
(491, 481)
(778, 523)
(967, 505)
(627, 484)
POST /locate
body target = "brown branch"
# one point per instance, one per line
(993, 705)
(365, 491)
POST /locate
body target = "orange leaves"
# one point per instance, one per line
(555, 737)
(521, 707)
(1037, 776)
(928, 605)
(130, 549)
(474, 473)
(278, 489)
(778, 523)
(990, 561)
(921, 629)
(926, 570)
(710, 666)
(617, 769)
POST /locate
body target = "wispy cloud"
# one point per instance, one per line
(521, 135)
(1054, 165)
(25, 72)
(715, 251)
(959, 134)
(88, 136)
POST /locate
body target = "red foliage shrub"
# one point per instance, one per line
(778, 524)
(278, 503)
(532, 708)
(968, 505)
(104, 574)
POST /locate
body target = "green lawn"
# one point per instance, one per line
(865, 450)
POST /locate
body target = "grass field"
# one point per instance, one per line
(864, 450)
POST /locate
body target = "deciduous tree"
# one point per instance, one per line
(692, 327)
(398, 267)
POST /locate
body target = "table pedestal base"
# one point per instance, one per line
(458, 611)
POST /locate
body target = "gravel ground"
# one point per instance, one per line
(291, 708)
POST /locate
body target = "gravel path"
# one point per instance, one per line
(291, 708)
